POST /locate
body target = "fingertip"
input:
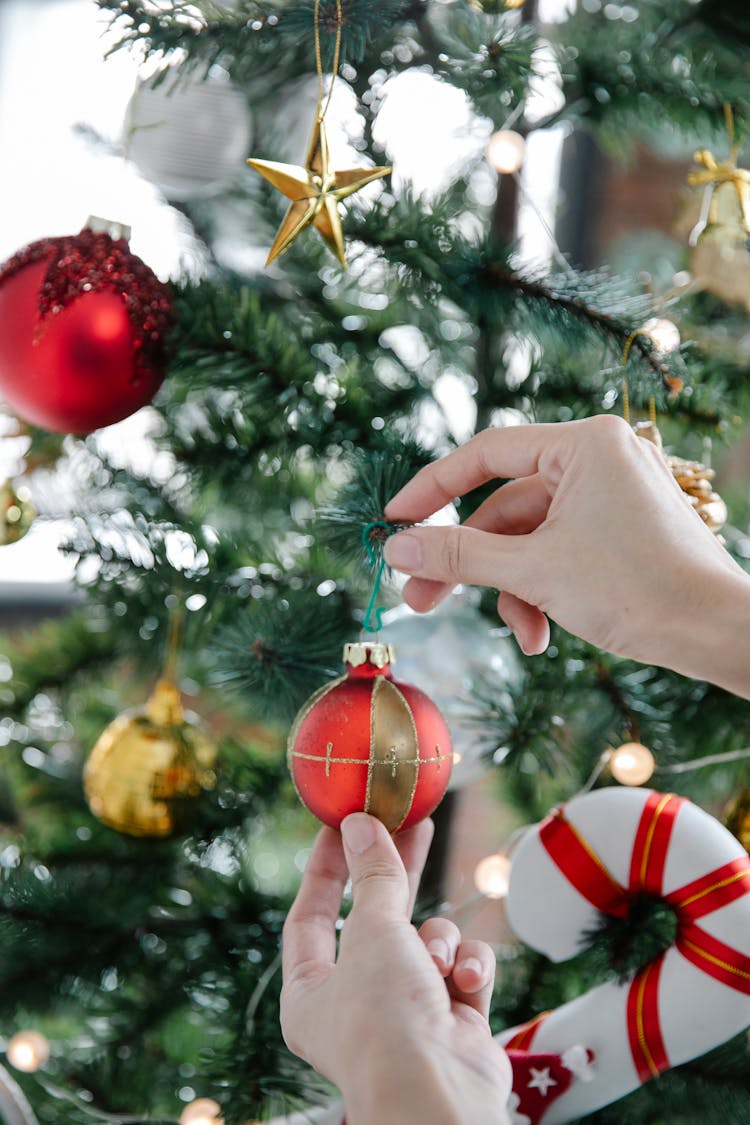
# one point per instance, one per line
(424, 594)
(528, 623)
(471, 973)
(441, 954)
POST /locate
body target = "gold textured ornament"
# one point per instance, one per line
(149, 766)
(17, 513)
(693, 477)
(315, 191)
(738, 818)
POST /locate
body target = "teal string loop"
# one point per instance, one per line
(372, 559)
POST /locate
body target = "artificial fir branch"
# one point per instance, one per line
(280, 652)
(250, 39)
(376, 476)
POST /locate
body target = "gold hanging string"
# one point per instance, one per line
(625, 389)
(323, 109)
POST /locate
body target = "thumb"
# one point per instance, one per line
(379, 880)
(462, 554)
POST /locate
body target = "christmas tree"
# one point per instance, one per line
(144, 884)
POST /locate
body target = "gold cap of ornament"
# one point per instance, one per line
(369, 652)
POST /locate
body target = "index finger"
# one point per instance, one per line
(309, 938)
(509, 452)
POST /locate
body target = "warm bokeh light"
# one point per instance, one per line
(506, 150)
(663, 333)
(28, 1051)
(203, 1111)
(632, 764)
(491, 876)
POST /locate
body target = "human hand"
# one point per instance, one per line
(592, 531)
(399, 1020)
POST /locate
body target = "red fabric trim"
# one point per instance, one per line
(720, 961)
(581, 866)
(712, 891)
(644, 1031)
(652, 843)
(524, 1037)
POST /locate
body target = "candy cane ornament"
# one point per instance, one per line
(594, 855)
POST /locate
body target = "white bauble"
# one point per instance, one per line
(189, 135)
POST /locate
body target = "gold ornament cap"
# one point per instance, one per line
(369, 652)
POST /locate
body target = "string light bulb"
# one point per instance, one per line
(203, 1111)
(632, 764)
(492, 875)
(506, 150)
(28, 1051)
(663, 334)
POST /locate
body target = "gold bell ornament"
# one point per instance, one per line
(17, 513)
(719, 260)
(694, 479)
(149, 766)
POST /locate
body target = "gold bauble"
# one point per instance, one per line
(149, 766)
(738, 818)
(17, 513)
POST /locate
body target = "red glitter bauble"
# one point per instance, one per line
(369, 743)
(82, 332)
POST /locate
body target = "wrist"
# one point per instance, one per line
(419, 1084)
(709, 638)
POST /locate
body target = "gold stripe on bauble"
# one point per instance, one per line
(393, 767)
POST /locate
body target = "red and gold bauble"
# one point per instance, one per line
(369, 743)
(82, 332)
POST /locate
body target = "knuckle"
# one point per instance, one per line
(609, 425)
(377, 871)
(453, 553)
(612, 431)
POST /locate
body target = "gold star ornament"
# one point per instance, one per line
(315, 192)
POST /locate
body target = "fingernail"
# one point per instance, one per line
(470, 965)
(358, 832)
(404, 552)
(438, 949)
(519, 642)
